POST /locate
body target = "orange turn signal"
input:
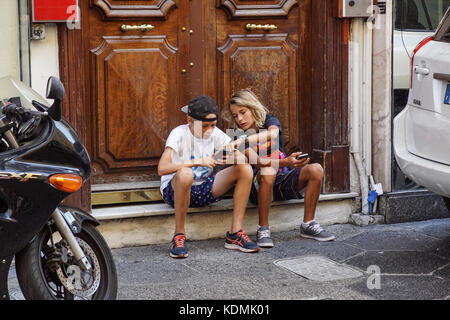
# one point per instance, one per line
(66, 182)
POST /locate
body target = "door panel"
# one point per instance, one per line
(246, 9)
(136, 87)
(264, 60)
(267, 66)
(131, 128)
(114, 9)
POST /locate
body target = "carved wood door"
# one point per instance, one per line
(263, 45)
(148, 58)
(135, 84)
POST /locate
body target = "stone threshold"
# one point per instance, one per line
(159, 209)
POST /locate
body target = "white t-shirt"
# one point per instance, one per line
(187, 147)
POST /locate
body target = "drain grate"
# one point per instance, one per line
(318, 268)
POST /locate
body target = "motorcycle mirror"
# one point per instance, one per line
(56, 91)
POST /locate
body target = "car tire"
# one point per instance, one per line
(447, 202)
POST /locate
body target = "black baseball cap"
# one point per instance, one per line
(200, 106)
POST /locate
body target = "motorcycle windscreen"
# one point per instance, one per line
(13, 88)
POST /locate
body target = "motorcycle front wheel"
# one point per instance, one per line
(46, 269)
(447, 202)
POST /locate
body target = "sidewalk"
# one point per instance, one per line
(398, 261)
(414, 260)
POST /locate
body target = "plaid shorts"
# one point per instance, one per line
(284, 188)
(200, 195)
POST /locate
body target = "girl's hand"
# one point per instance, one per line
(239, 157)
(233, 156)
(235, 144)
(293, 162)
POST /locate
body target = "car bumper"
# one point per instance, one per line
(432, 175)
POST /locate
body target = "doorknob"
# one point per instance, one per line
(265, 27)
(420, 70)
(142, 27)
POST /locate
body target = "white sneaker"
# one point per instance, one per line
(263, 238)
(314, 231)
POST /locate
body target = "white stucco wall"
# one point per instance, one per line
(44, 59)
(381, 99)
(9, 49)
(43, 53)
(375, 148)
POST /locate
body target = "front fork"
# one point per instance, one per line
(62, 223)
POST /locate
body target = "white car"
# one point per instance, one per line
(415, 20)
(421, 134)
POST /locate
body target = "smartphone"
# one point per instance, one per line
(302, 156)
(221, 153)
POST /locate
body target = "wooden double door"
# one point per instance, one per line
(149, 58)
(134, 64)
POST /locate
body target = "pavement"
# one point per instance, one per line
(405, 261)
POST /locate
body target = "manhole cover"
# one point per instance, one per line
(318, 268)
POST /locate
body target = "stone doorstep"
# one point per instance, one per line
(157, 209)
(138, 225)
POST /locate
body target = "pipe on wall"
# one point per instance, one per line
(361, 103)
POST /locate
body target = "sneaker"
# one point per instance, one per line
(263, 238)
(178, 247)
(313, 230)
(240, 241)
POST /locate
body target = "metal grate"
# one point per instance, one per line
(318, 268)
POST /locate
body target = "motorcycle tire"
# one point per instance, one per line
(447, 203)
(38, 282)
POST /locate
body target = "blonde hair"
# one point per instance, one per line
(246, 98)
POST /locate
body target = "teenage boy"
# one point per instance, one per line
(187, 179)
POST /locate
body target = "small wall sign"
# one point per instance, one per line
(55, 11)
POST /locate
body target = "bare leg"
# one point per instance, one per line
(181, 184)
(241, 175)
(311, 176)
(266, 179)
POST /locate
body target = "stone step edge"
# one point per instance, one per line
(158, 209)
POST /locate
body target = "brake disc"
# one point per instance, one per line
(78, 282)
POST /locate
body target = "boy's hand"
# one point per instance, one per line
(228, 155)
(205, 162)
(293, 162)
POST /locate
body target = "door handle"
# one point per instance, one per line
(265, 27)
(142, 27)
(420, 70)
(441, 76)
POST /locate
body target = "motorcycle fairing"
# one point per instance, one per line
(27, 199)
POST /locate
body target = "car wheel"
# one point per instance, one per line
(447, 202)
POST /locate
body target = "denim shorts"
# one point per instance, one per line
(284, 188)
(200, 195)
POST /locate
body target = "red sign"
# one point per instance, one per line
(55, 10)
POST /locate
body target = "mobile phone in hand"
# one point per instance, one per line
(302, 156)
(221, 153)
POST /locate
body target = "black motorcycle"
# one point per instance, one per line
(59, 253)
